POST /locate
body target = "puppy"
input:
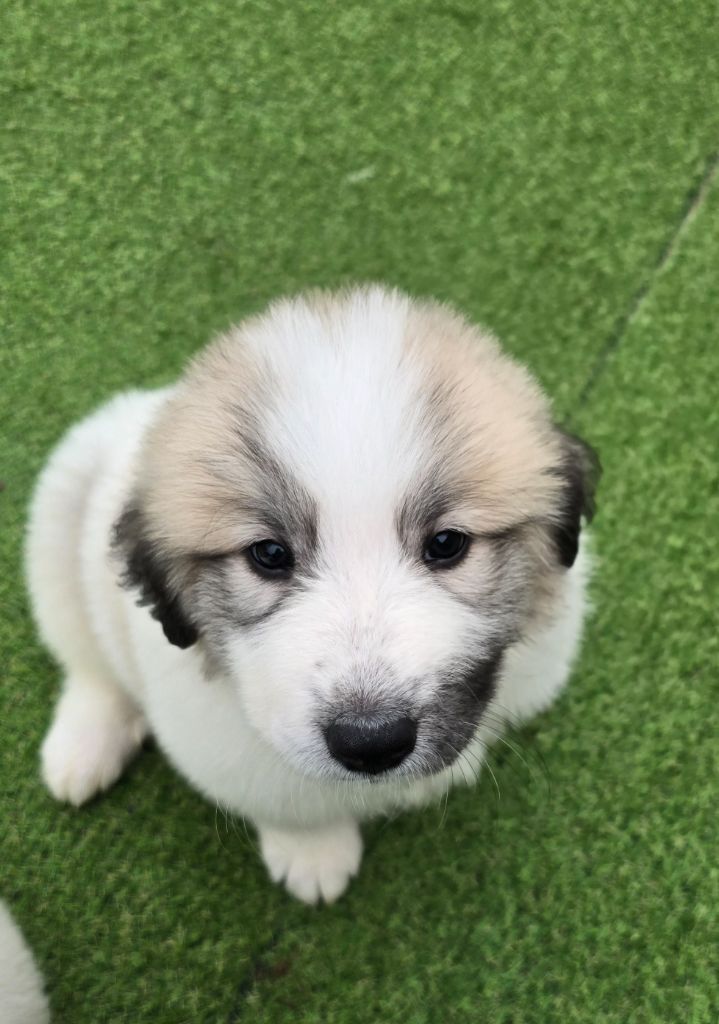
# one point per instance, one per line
(323, 569)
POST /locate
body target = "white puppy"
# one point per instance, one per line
(322, 569)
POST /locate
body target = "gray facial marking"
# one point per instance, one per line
(446, 725)
(217, 602)
(424, 506)
(282, 501)
(436, 488)
(277, 498)
(451, 722)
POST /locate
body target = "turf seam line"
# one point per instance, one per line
(692, 204)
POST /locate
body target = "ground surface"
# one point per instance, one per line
(551, 169)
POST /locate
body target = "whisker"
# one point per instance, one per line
(494, 779)
(498, 737)
(217, 831)
(443, 804)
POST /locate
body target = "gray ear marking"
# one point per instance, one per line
(580, 471)
(145, 568)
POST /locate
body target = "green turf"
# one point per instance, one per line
(165, 169)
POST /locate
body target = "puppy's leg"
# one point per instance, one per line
(313, 863)
(22, 1000)
(96, 730)
(97, 727)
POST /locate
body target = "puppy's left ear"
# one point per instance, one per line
(146, 568)
(580, 471)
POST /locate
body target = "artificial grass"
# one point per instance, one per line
(166, 171)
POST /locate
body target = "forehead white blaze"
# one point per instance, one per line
(347, 410)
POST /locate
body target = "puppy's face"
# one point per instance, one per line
(355, 504)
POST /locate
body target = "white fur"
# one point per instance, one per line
(244, 738)
(22, 1000)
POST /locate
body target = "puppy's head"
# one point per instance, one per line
(355, 504)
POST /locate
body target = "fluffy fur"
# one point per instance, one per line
(351, 428)
(22, 1000)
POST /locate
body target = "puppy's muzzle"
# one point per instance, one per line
(371, 744)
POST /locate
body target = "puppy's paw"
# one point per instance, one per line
(96, 731)
(313, 863)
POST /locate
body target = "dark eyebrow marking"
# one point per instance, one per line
(423, 506)
(277, 498)
(281, 500)
(426, 504)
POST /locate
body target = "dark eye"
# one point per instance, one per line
(445, 548)
(271, 558)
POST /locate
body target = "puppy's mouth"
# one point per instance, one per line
(391, 743)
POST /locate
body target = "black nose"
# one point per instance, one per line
(371, 743)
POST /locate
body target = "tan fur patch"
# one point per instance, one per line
(193, 472)
(502, 444)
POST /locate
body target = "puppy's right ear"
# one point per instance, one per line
(146, 568)
(579, 471)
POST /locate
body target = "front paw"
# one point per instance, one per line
(94, 734)
(313, 863)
